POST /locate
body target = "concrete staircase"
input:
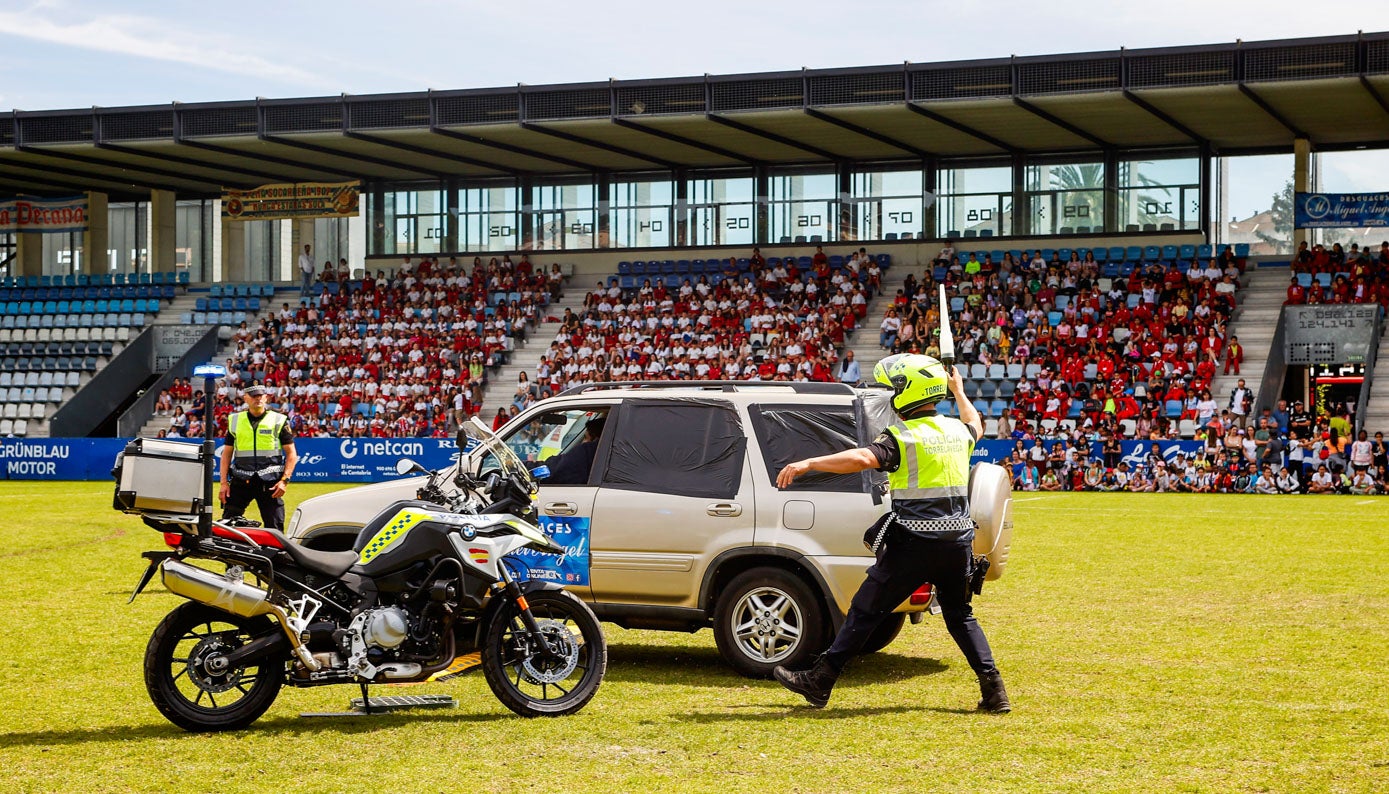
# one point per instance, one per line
(864, 341)
(501, 385)
(1377, 407)
(185, 303)
(1255, 322)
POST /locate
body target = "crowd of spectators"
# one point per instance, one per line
(1285, 450)
(1125, 350)
(400, 354)
(754, 318)
(1334, 275)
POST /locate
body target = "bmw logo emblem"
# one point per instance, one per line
(469, 531)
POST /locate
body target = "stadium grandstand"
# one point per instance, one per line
(472, 251)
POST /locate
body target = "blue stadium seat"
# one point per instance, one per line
(624, 268)
(1241, 250)
(1188, 252)
(1305, 279)
(1169, 252)
(1204, 252)
(1152, 253)
(1172, 408)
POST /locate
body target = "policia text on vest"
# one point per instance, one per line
(257, 460)
(927, 537)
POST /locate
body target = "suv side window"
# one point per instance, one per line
(787, 433)
(682, 447)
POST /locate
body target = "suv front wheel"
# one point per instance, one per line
(768, 617)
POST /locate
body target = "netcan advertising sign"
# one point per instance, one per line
(49, 216)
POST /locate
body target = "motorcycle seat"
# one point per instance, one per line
(329, 563)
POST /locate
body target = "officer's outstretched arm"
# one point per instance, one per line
(968, 414)
(846, 462)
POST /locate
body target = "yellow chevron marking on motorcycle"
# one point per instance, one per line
(398, 528)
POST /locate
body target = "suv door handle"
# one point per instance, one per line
(561, 508)
(725, 509)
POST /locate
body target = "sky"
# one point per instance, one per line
(80, 53)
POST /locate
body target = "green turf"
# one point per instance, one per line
(1150, 643)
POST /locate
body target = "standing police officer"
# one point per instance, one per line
(929, 535)
(257, 460)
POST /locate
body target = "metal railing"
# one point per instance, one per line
(139, 412)
(1371, 356)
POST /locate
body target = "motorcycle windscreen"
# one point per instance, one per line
(873, 414)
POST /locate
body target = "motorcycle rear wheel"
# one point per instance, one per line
(534, 683)
(185, 682)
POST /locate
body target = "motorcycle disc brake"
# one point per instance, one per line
(207, 666)
(549, 667)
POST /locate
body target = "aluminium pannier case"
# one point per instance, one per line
(157, 476)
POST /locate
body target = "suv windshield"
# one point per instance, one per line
(486, 452)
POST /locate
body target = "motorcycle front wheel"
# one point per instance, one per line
(191, 683)
(556, 675)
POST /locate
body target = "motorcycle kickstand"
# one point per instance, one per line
(366, 699)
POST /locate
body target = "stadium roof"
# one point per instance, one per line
(1246, 97)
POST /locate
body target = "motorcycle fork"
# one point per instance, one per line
(513, 590)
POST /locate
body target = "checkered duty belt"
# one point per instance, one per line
(935, 524)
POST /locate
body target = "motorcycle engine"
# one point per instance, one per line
(386, 628)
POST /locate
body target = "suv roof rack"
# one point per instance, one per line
(799, 387)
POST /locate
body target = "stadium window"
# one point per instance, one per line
(127, 237)
(193, 239)
(487, 217)
(264, 256)
(641, 212)
(330, 241)
(803, 206)
(977, 201)
(9, 248)
(1063, 196)
(563, 215)
(414, 222)
(1162, 194)
(887, 202)
(722, 210)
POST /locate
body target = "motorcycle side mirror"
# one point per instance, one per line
(406, 466)
(540, 472)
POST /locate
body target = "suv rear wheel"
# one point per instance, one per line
(768, 617)
(885, 633)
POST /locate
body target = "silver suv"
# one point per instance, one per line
(687, 529)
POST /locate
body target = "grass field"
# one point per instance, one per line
(1150, 643)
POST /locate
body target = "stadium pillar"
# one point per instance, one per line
(1302, 179)
(762, 190)
(163, 231)
(28, 254)
(233, 250)
(96, 239)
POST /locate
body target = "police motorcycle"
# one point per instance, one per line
(428, 582)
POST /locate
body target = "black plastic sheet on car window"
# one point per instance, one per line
(790, 433)
(677, 446)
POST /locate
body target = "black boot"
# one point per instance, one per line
(994, 698)
(815, 684)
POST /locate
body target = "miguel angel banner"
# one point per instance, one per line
(301, 200)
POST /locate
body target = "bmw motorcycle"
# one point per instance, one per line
(427, 583)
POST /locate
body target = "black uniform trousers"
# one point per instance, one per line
(905, 564)
(243, 492)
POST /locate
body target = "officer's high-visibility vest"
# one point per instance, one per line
(257, 452)
(931, 481)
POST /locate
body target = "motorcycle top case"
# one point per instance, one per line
(157, 476)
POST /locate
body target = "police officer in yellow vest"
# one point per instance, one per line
(929, 535)
(258, 459)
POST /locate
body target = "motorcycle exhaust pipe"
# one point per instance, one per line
(215, 590)
(230, 595)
